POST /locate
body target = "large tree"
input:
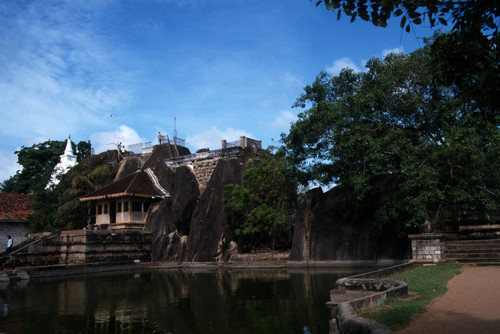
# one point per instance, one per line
(395, 131)
(38, 162)
(57, 207)
(467, 56)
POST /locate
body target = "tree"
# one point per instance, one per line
(396, 134)
(464, 14)
(37, 162)
(466, 57)
(262, 206)
(58, 207)
(83, 150)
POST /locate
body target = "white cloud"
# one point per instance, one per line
(341, 63)
(8, 165)
(58, 75)
(400, 49)
(290, 80)
(213, 138)
(283, 120)
(103, 141)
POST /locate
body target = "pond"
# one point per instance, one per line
(173, 301)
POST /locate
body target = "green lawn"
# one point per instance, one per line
(424, 284)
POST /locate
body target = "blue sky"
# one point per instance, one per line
(221, 68)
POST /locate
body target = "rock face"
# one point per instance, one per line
(156, 161)
(323, 234)
(170, 219)
(191, 225)
(210, 235)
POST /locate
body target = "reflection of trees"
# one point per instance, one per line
(177, 301)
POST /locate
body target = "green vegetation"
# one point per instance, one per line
(424, 284)
(56, 207)
(466, 57)
(397, 134)
(262, 206)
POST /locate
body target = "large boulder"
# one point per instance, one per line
(170, 219)
(128, 166)
(210, 235)
(323, 232)
(156, 161)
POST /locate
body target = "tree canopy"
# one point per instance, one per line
(466, 57)
(58, 207)
(38, 162)
(397, 131)
(463, 14)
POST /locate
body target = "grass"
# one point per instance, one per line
(424, 284)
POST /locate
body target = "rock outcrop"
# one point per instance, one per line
(156, 161)
(323, 233)
(210, 235)
(170, 219)
(191, 225)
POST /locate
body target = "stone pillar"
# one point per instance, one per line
(428, 247)
(224, 144)
(243, 141)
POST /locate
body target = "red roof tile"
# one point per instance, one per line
(14, 207)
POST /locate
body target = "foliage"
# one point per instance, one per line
(395, 132)
(57, 207)
(466, 57)
(426, 283)
(262, 206)
(37, 162)
(83, 150)
(463, 14)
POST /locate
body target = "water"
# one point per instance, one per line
(173, 301)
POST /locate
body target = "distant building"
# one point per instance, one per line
(14, 218)
(123, 205)
(66, 162)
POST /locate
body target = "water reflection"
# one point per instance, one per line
(172, 301)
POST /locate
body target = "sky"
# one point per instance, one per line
(113, 71)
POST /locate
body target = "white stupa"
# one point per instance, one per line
(66, 162)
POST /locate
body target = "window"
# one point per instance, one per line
(105, 208)
(137, 206)
(119, 207)
(99, 209)
(146, 206)
(125, 206)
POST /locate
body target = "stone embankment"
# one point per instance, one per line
(360, 291)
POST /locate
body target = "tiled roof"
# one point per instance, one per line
(138, 184)
(14, 207)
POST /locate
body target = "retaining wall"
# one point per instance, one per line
(203, 163)
(361, 291)
(82, 247)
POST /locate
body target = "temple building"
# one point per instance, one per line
(123, 205)
(66, 162)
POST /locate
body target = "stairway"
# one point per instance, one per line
(481, 251)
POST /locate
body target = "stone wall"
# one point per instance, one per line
(203, 163)
(17, 230)
(83, 247)
(428, 247)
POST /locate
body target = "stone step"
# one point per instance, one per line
(473, 249)
(473, 260)
(472, 246)
(474, 242)
(472, 255)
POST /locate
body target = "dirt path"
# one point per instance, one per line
(471, 305)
